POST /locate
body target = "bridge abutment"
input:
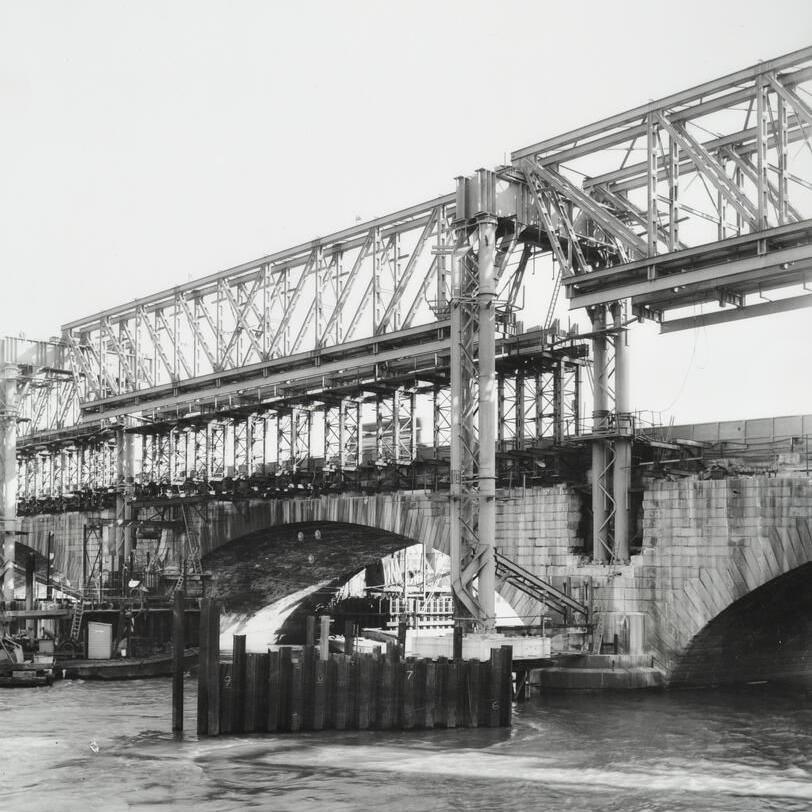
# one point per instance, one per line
(706, 545)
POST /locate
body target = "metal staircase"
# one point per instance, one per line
(511, 573)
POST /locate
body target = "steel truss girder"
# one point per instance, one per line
(244, 316)
(701, 99)
(248, 314)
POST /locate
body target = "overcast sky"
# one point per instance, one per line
(147, 143)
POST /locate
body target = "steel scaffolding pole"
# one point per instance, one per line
(125, 490)
(463, 435)
(8, 476)
(600, 415)
(486, 476)
(621, 475)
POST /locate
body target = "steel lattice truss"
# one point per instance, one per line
(366, 281)
(710, 185)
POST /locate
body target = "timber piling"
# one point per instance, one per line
(305, 689)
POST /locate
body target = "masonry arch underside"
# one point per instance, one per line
(764, 636)
(300, 565)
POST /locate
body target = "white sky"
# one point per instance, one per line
(144, 144)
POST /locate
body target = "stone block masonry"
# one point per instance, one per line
(706, 545)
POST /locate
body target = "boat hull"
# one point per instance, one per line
(129, 668)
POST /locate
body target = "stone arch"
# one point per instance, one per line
(750, 562)
(416, 516)
(764, 635)
(265, 566)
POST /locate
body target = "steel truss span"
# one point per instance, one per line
(699, 197)
(705, 194)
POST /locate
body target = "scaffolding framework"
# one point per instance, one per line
(275, 366)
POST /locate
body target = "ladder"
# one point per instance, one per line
(78, 613)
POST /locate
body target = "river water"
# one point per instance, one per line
(94, 746)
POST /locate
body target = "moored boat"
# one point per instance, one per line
(159, 665)
(15, 672)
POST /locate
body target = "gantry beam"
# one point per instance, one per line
(755, 263)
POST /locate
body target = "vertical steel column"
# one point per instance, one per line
(412, 427)
(652, 218)
(377, 305)
(8, 477)
(172, 449)
(21, 477)
(486, 475)
(600, 514)
(441, 400)
(379, 430)
(501, 422)
(558, 403)
(59, 471)
(673, 193)
(538, 406)
(762, 141)
(48, 472)
(396, 455)
(125, 490)
(342, 434)
(519, 410)
(782, 147)
(621, 474)
(200, 465)
(207, 459)
(456, 526)
(300, 440)
(721, 204)
(228, 449)
(464, 509)
(738, 179)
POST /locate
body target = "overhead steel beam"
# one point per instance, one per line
(790, 235)
(736, 314)
(712, 273)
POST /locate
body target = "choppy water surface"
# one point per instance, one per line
(88, 746)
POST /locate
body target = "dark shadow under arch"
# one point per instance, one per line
(253, 571)
(766, 635)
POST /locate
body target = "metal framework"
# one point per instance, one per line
(335, 353)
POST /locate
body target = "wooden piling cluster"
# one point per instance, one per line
(293, 690)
